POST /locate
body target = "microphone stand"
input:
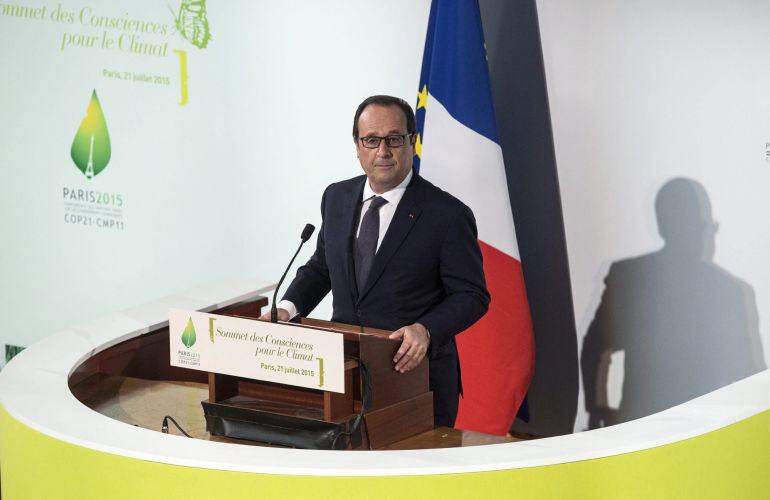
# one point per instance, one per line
(306, 233)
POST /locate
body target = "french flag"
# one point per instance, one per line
(458, 149)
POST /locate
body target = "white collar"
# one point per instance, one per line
(392, 196)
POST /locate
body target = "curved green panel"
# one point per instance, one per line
(727, 463)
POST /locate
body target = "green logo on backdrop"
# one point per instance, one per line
(188, 335)
(192, 23)
(91, 148)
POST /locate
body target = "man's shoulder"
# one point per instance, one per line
(443, 200)
(345, 187)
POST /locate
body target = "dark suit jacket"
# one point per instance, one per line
(428, 269)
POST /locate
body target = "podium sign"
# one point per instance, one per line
(273, 352)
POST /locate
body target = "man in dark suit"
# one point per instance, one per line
(397, 253)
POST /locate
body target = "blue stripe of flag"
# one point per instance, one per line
(454, 66)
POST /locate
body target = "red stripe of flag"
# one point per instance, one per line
(497, 354)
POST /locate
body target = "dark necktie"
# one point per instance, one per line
(366, 243)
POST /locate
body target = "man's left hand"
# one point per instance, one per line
(413, 347)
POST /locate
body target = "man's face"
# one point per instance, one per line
(384, 167)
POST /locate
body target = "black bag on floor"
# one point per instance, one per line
(286, 430)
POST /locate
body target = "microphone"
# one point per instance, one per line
(306, 234)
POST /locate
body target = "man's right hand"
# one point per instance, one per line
(283, 315)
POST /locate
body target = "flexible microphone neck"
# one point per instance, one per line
(306, 233)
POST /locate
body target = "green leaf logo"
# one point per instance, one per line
(188, 335)
(91, 148)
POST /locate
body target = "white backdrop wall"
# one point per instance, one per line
(642, 92)
(220, 187)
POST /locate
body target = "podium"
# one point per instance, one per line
(401, 403)
(400, 406)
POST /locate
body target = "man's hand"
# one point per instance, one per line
(413, 347)
(283, 315)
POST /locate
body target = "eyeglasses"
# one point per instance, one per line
(392, 141)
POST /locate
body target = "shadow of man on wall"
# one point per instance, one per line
(686, 325)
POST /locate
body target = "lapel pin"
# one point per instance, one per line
(411, 216)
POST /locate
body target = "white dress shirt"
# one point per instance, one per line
(393, 198)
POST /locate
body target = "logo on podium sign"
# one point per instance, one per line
(274, 352)
(188, 335)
